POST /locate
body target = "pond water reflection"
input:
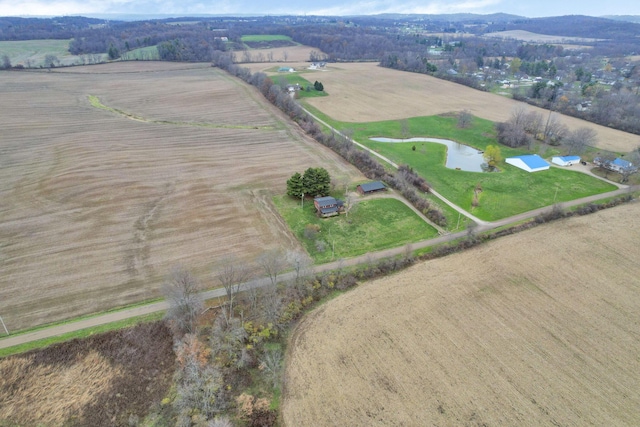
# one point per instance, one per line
(459, 156)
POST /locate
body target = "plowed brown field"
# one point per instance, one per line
(365, 92)
(535, 329)
(96, 206)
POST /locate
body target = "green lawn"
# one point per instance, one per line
(505, 193)
(264, 38)
(372, 225)
(293, 78)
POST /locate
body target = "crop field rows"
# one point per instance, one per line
(366, 92)
(97, 207)
(531, 329)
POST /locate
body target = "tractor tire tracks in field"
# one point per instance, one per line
(137, 254)
(95, 102)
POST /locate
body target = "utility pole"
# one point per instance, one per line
(5, 326)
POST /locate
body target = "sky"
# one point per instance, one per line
(529, 8)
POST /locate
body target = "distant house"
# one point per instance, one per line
(328, 206)
(294, 88)
(618, 165)
(529, 162)
(371, 187)
(286, 70)
(565, 160)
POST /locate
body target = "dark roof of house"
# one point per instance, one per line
(372, 186)
(326, 210)
(325, 201)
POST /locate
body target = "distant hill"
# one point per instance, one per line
(453, 17)
(627, 18)
(573, 26)
(15, 28)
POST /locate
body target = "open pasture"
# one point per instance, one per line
(534, 329)
(98, 204)
(366, 92)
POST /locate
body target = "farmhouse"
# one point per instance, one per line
(286, 70)
(327, 206)
(371, 187)
(529, 162)
(618, 165)
(565, 160)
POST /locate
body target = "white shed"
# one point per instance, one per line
(529, 162)
(565, 160)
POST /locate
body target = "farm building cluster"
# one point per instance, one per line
(328, 206)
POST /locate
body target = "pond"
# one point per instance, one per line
(459, 156)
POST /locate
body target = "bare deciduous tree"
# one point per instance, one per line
(271, 364)
(232, 274)
(554, 130)
(272, 263)
(464, 119)
(577, 140)
(199, 384)
(181, 290)
(271, 304)
(301, 264)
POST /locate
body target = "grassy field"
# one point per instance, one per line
(100, 203)
(365, 92)
(149, 53)
(372, 225)
(33, 52)
(505, 193)
(537, 328)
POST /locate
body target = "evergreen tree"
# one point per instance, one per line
(113, 52)
(294, 186)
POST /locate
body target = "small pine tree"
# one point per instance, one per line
(113, 52)
(295, 188)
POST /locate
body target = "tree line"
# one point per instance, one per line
(406, 181)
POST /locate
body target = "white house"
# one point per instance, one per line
(565, 160)
(529, 162)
